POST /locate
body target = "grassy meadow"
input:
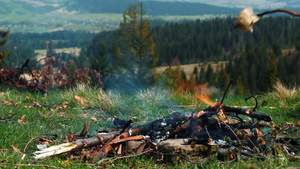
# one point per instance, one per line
(58, 113)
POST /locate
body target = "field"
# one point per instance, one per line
(27, 116)
(189, 68)
(22, 20)
(41, 53)
(63, 20)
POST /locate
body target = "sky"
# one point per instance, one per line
(259, 4)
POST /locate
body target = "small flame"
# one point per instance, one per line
(259, 132)
(203, 96)
(248, 111)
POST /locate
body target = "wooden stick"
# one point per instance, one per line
(279, 10)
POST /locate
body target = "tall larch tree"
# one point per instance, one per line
(136, 42)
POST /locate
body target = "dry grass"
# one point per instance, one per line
(92, 97)
(283, 93)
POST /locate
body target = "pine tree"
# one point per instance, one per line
(100, 62)
(223, 79)
(252, 78)
(210, 76)
(195, 74)
(4, 38)
(183, 76)
(202, 74)
(137, 43)
(239, 88)
(276, 48)
(282, 70)
(272, 71)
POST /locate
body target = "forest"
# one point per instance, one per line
(272, 51)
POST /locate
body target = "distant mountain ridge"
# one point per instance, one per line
(152, 7)
(111, 6)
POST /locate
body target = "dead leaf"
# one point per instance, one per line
(1, 93)
(62, 114)
(21, 121)
(94, 118)
(15, 149)
(65, 104)
(7, 103)
(299, 123)
(79, 99)
(36, 104)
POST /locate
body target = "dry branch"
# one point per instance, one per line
(202, 126)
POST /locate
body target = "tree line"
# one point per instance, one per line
(254, 59)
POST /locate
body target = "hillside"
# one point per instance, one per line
(152, 7)
(94, 16)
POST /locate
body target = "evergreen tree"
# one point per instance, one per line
(272, 71)
(282, 70)
(239, 88)
(101, 63)
(183, 76)
(195, 74)
(136, 42)
(252, 78)
(4, 38)
(202, 75)
(210, 76)
(223, 79)
(276, 48)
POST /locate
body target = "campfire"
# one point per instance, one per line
(225, 131)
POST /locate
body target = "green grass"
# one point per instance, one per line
(143, 106)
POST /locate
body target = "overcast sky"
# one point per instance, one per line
(260, 4)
